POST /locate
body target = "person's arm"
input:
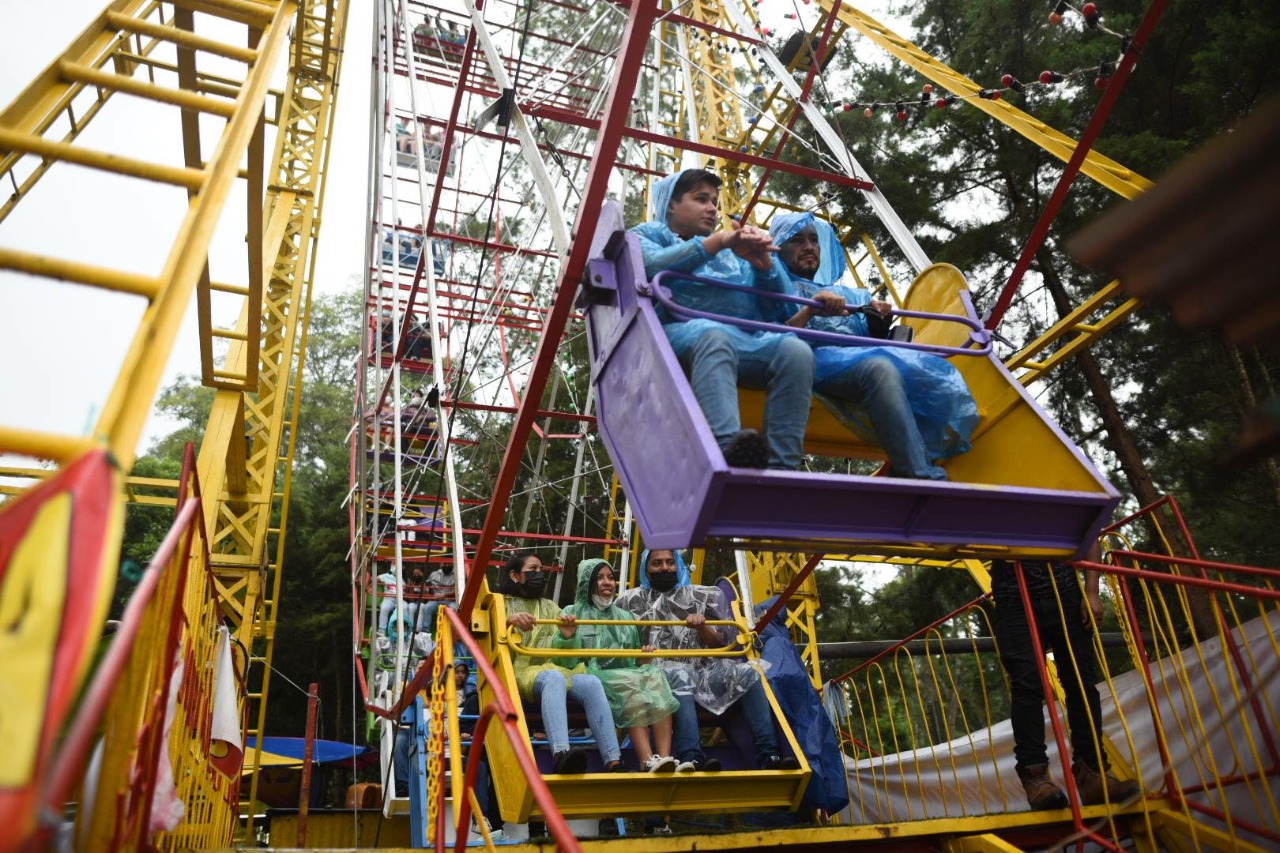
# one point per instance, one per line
(709, 635)
(832, 305)
(1091, 607)
(681, 256)
(566, 637)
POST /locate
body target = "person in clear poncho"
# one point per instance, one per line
(548, 680)
(719, 356)
(913, 404)
(716, 684)
(639, 695)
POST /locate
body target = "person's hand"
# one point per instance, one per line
(568, 625)
(752, 244)
(1091, 606)
(695, 620)
(884, 309)
(832, 304)
(522, 621)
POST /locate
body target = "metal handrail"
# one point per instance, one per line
(733, 649)
(978, 335)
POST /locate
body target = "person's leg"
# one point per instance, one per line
(662, 736)
(427, 616)
(384, 613)
(876, 384)
(1026, 693)
(588, 690)
(755, 707)
(712, 363)
(686, 736)
(784, 369)
(548, 687)
(640, 742)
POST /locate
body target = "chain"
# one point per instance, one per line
(435, 744)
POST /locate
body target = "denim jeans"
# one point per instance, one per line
(548, 687)
(1013, 634)
(388, 607)
(427, 616)
(754, 706)
(783, 368)
(876, 384)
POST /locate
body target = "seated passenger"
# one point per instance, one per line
(545, 680)
(913, 404)
(718, 356)
(441, 584)
(638, 695)
(714, 683)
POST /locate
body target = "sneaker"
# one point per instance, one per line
(777, 762)
(661, 764)
(706, 765)
(686, 767)
(747, 449)
(571, 762)
(663, 828)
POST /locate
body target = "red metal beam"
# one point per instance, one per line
(635, 40)
(1099, 118)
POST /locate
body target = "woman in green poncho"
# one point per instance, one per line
(639, 696)
(548, 680)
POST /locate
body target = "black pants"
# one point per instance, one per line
(1067, 638)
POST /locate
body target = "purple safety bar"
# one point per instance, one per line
(658, 290)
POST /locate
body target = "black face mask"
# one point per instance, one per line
(533, 585)
(663, 581)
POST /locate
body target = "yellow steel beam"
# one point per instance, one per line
(984, 843)
(1075, 323)
(79, 273)
(181, 37)
(1199, 835)
(133, 86)
(1107, 172)
(29, 143)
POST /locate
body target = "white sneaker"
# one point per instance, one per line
(660, 764)
(686, 767)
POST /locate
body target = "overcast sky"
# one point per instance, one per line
(61, 346)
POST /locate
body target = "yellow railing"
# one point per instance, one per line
(733, 649)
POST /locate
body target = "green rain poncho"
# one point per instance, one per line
(638, 695)
(541, 637)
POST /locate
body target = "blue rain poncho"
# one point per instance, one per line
(714, 683)
(663, 249)
(944, 410)
(541, 637)
(638, 695)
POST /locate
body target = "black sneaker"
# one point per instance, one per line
(777, 762)
(747, 449)
(707, 765)
(571, 762)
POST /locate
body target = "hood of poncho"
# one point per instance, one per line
(682, 571)
(832, 267)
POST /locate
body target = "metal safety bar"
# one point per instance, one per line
(978, 335)
(733, 649)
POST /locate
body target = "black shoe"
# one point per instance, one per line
(777, 762)
(747, 449)
(707, 765)
(571, 762)
(617, 767)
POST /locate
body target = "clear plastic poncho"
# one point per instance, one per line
(663, 249)
(541, 637)
(714, 683)
(638, 694)
(944, 410)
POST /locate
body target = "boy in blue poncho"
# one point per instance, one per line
(913, 404)
(682, 236)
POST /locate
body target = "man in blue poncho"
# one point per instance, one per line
(682, 236)
(913, 404)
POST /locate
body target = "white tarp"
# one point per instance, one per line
(1207, 739)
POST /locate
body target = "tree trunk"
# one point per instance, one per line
(1120, 440)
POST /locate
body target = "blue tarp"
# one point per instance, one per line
(322, 751)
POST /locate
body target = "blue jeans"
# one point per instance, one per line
(548, 686)
(876, 385)
(685, 741)
(427, 616)
(783, 368)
